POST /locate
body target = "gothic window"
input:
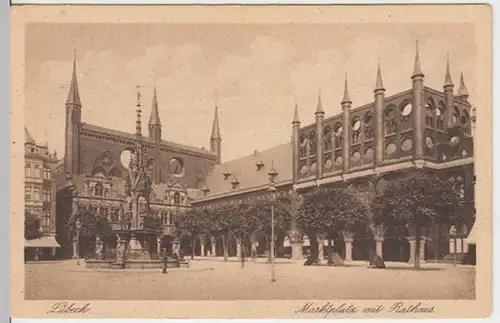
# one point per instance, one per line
(47, 173)
(104, 211)
(440, 116)
(312, 143)
(27, 170)
(455, 118)
(464, 120)
(355, 126)
(171, 219)
(406, 109)
(115, 214)
(93, 210)
(177, 198)
(368, 120)
(98, 190)
(327, 139)
(429, 115)
(391, 126)
(338, 136)
(303, 147)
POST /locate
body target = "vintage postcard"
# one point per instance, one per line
(251, 161)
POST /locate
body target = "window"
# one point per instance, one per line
(368, 119)
(327, 138)
(98, 190)
(27, 170)
(355, 126)
(171, 218)
(104, 211)
(177, 198)
(406, 110)
(391, 126)
(338, 136)
(93, 209)
(36, 193)
(46, 220)
(47, 195)
(440, 116)
(47, 173)
(312, 143)
(37, 171)
(27, 192)
(303, 147)
(429, 115)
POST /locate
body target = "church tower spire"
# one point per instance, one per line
(447, 79)
(155, 134)
(215, 138)
(463, 93)
(417, 70)
(74, 94)
(72, 126)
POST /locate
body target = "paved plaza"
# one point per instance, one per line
(213, 279)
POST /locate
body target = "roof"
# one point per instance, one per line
(27, 136)
(245, 170)
(122, 134)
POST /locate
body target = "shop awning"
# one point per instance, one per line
(43, 242)
(471, 239)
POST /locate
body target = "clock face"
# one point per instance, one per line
(176, 167)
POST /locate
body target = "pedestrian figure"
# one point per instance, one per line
(165, 261)
(177, 257)
(242, 257)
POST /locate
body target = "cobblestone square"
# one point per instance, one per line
(213, 279)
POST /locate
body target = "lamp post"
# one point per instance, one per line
(78, 225)
(272, 190)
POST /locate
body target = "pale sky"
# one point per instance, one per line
(257, 70)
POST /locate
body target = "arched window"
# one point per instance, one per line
(177, 198)
(455, 118)
(327, 139)
(98, 190)
(338, 136)
(303, 147)
(368, 120)
(27, 170)
(391, 126)
(429, 115)
(440, 115)
(356, 130)
(312, 143)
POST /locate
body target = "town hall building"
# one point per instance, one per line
(362, 148)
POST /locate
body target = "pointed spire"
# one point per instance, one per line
(154, 119)
(447, 80)
(74, 95)
(462, 90)
(417, 71)
(27, 137)
(379, 85)
(296, 119)
(215, 125)
(319, 106)
(346, 98)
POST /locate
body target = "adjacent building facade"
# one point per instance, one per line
(40, 195)
(363, 148)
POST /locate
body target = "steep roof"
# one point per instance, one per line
(122, 134)
(27, 136)
(245, 170)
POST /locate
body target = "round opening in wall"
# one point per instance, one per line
(125, 158)
(176, 166)
(407, 144)
(390, 148)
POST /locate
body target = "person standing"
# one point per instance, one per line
(165, 261)
(243, 256)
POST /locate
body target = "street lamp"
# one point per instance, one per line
(272, 190)
(78, 225)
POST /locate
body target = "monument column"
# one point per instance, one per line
(378, 236)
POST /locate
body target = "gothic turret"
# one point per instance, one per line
(215, 138)
(72, 126)
(462, 93)
(417, 106)
(320, 116)
(379, 93)
(295, 142)
(346, 133)
(448, 91)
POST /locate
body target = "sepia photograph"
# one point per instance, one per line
(309, 161)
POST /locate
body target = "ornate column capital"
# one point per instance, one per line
(378, 231)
